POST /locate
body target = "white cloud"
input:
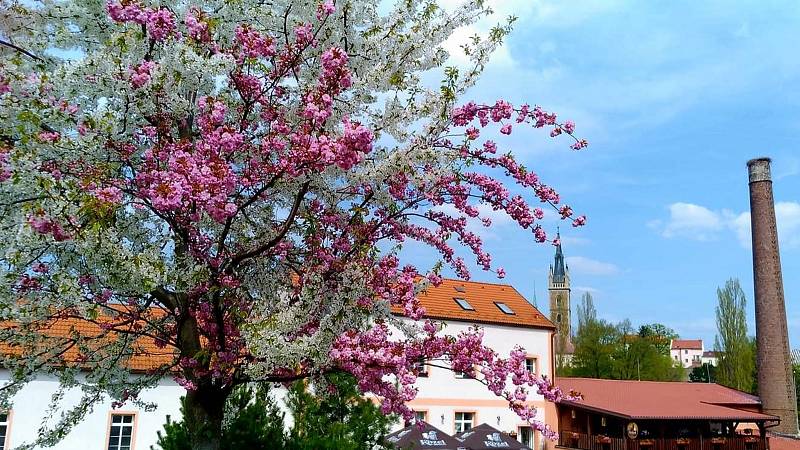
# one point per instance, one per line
(588, 266)
(787, 214)
(501, 56)
(693, 221)
(700, 223)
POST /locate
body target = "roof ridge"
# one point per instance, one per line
(492, 283)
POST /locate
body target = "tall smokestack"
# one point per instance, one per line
(775, 381)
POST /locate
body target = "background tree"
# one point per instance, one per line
(796, 373)
(735, 353)
(705, 373)
(209, 178)
(594, 343)
(605, 350)
(638, 357)
(660, 335)
(563, 363)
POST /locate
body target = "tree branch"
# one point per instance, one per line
(20, 50)
(278, 237)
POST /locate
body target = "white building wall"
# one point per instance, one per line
(31, 403)
(442, 394)
(687, 357)
(709, 360)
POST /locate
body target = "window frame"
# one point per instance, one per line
(424, 413)
(473, 421)
(421, 367)
(6, 444)
(134, 423)
(535, 359)
(532, 443)
(459, 301)
(509, 312)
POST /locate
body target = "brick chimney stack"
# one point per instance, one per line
(775, 380)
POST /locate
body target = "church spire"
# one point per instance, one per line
(559, 271)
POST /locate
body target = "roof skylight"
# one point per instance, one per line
(464, 304)
(505, 308)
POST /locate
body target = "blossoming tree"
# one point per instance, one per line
(232, 181)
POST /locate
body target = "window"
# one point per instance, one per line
(464, 304)
(420, 416)
(686, 352)
(558, 317)
(459, 288)
(120, 435)
(464, 421)
(558, 302)
(3, 430)
(420, 368)
(505, 308)
(530, 365)
(525, 436)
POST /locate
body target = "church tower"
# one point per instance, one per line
(559, 292)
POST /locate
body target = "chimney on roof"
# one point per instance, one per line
(775, 380)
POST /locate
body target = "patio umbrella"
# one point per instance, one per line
(486, 437)
(426, 436)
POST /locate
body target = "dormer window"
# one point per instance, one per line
(464, 304)
(505, 308)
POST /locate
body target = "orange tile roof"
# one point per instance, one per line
(438, 301)
(663, 400)
(440, 304)
(689, 344)
(57, 333)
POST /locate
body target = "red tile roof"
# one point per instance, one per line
(689, 344)
(664, 400)
(440, 303)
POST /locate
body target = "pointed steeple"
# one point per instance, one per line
(559, 271)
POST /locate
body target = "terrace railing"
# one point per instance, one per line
(582, 441)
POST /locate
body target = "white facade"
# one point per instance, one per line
(93, 432)
(687, 353)
(445, 400)
(443, 397)
(709, 358)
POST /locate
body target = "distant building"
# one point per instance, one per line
(687, 352)
(558, 288)
(709, 357)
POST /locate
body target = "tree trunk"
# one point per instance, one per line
(204, 409)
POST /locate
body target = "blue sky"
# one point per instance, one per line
(674, 97)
